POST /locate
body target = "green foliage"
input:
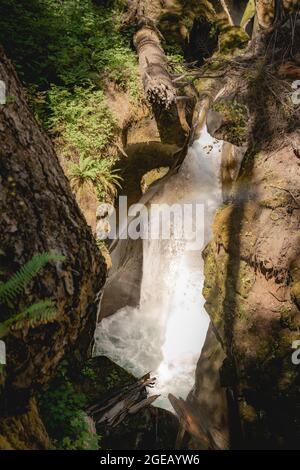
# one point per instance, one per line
(72, 42)
(112, 379)
(62, 410)
(84, 439)
(67, 53)
(82, 120)
(175, 59)
(40, 312)
(43, 311)
(89, 372)
(98, 173)
(235, 117)
(16, 284)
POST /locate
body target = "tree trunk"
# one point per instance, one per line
(39, 213)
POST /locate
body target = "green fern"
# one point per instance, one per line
(41, 312)
(15, 285)
(98, 173)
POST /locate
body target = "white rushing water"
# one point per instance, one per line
(166, 332)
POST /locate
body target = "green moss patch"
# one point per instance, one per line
(235, 116)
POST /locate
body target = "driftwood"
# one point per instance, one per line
(128, 400)
(196, 425)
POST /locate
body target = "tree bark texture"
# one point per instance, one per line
(39, 213)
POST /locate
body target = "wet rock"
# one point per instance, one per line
(208, 398)
(124, 282)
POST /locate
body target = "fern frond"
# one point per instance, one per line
(15, 285)
(39, 313)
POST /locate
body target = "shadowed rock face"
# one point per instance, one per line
(252, 265)
(245, 376)
(124, 283)
(251, 291)
(208, 398)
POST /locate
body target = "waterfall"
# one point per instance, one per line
(166, 332)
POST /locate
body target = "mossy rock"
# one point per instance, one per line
(246, 279)
(153, 175)
(295, 282)
(232, 121)
(214, 288)
(222, 224)
(295, 292)
(98, 377)
(24, 431)
(232, 39)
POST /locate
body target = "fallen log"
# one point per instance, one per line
(108, 401)
(128, 400)
(156, 78)
(157, 81)
(146, 402)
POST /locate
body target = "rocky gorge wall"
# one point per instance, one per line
(251, 264)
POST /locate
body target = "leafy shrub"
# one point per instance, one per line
(62, 411)
(66, 52)
(83, 439)
(82, 120)
(67, 43)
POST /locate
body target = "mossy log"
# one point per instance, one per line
(156, 78)
(157, 81)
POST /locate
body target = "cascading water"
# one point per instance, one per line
(166, 332)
